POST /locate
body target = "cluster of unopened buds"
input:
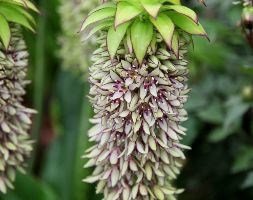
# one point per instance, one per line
(137, 122)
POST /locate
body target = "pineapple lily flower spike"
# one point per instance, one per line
(15, 145)
(138, 91)
(71, 13)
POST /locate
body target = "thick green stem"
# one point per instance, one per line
(38, 83)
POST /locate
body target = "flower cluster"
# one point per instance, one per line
(138, 90)
(71, 13)
(15, 145)
(137, 123)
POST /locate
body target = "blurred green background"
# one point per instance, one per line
(220, 125)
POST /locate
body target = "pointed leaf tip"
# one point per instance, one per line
(141, 37)
(125, 12)
(5, 33)
(203, 2)
(184, 11)
(16, 15)
(175, 44)
(115, 37)
(176, 2)
(152, 7)
(98, 15)
(165, 27)
(186, 24)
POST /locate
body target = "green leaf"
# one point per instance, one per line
(15, 16)
(128, 41)
(236, 109)
(192, 130)
(186, 24)
(141, 36)
(152, 7)
(175, 44)
(248, 182)
(71, 120)
(22, 8)
(136, 3)
(213, 113)
(243, 159)
(27, 15)
(114, 38)
(28, 4)
(165, 27)
(153, 43)
(102, 6)
(177, 2)
(5, 33)
(24, 3)
(99, 27)
(217, 135)
(98, 16)
(125, 12)
(28, 187)
(184, 11)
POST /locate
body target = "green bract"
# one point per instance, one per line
(15, 11)
(142, 18)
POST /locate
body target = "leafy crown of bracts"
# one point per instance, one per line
(139, 19)
(15, 11)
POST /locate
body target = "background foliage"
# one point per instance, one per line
(220, 125)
